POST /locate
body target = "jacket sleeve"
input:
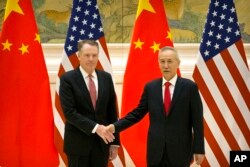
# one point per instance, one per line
(113, 110)
(197, 121)
(135, 115)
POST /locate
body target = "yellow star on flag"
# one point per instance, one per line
(12, 6)
(156, 47)
(24, 48)
(6, 45)
(138, 44)
(169, 36)
(144, 5)
(37, 38)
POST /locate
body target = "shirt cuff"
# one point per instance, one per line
(95, 128)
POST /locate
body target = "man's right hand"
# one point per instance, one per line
(111, 128)
(105, 134)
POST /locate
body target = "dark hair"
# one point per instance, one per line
(87, 41)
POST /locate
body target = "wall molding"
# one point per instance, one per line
(119, 53)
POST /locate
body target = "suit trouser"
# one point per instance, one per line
(166, 163)
(96, 158)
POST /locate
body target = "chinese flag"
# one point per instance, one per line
(151, 32)
(26, 117)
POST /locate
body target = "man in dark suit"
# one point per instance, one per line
(88, 101)
(175, 113)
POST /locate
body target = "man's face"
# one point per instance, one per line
(168, 63)
(88, 57)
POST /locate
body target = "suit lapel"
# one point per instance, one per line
(177, 91)
(158, 93)
(83, 87)
(101, 86)
(156, 96)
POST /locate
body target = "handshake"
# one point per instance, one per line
(106, 132)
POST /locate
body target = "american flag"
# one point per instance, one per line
(84, 23)
(223, 78)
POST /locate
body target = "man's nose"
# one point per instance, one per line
(165, 65)
(91, 58)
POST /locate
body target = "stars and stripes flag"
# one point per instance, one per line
(223, 78)
(84, 23)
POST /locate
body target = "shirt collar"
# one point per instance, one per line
(86, 75)
(172, 81)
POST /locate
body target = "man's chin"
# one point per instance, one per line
(167, 75)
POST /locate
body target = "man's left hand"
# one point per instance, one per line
(199, 158)
(113, 152)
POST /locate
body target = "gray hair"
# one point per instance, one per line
(172, 49)
(87, 41)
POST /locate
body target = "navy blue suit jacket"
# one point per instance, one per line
(81, 118)
(172, 133)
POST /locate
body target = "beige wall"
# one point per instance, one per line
(118, 55)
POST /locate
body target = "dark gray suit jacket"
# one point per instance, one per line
(172, 133)
(79, 111)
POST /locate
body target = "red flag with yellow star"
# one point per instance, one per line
(26, 117)
(151, 32)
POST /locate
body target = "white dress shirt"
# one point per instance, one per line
(171, 87)
(86, 79)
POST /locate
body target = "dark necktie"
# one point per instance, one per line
(167, 98)
(92, 91)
